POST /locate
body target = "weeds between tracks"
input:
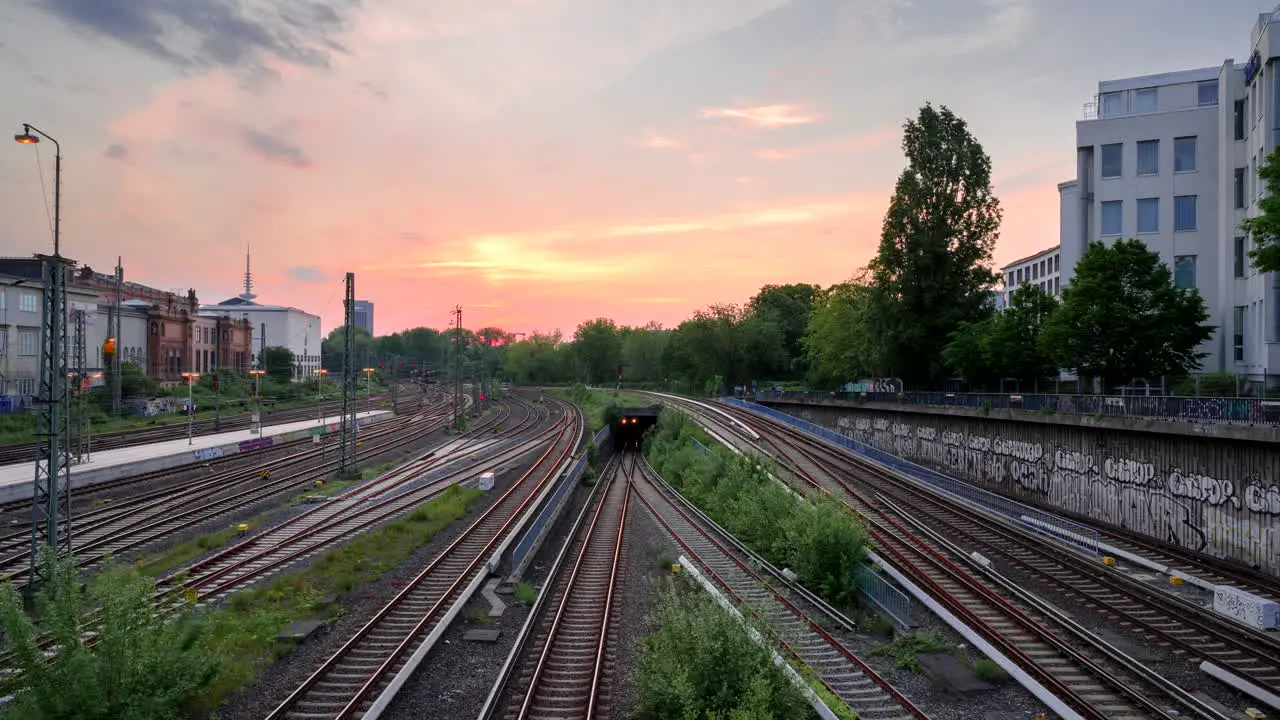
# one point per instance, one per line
(145, 668)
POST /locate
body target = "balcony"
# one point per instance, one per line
(1101, 108)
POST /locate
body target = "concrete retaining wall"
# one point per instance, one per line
(1220, 497)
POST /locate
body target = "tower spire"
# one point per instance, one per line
(248, 275)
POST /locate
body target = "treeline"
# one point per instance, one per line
(923, 311)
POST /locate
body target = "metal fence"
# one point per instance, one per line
(558, 497)
(1252, 411)
(1025, 515)
(895, 603)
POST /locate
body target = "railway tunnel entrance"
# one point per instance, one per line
(632, 423)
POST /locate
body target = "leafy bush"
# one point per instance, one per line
(697, 661)
(141, 666)
(821, 541)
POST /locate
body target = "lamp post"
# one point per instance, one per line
(257, 401)
(30, 136)
(319, 381)
(368, 389)
(191, 378)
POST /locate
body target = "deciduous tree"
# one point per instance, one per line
(835, 342)
(1123, 318)
(932, 271)
(1264, 229)
(598, 349)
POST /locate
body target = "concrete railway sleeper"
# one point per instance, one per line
(147, 519)
(775, 605)
(345, 684)
(1094, 681)
(338, 519)
(565, 674)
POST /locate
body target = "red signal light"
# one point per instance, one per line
(482, 397)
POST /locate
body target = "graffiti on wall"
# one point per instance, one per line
(1232, 517)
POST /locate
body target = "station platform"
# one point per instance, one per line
(108, 465)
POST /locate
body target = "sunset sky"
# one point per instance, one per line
(540, 162)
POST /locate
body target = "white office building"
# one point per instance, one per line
(1172, 160)
(276, 326)
(1042, 269)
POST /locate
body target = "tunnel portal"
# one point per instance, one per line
(631, 425)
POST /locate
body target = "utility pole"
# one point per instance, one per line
(51, 491)
(79, 437)
(347, 426)
(117, 366)
(457, 367)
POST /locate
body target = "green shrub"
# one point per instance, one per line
(821, 541)
(142, 666)
(905, 648)
(525, 594)
(697, 661)
(989, 671)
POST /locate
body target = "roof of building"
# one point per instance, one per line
(228, 307)
(1160, 79)
(1029, 258)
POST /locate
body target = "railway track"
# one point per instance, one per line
(1150, 617)
(1089, 676)
(565, 673)
(349, 683)
(793, 614)
(25, 452)
(140, 521)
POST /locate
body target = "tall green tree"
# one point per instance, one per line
(1122, 318)
(789, 307)
(933, 268)
(835, 343)
(1006, 345)
(1264, 229)
(642, 350)
(598, 349)
(278, 362)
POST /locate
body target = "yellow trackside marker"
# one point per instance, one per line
(319, 483)
(242, 527)
(1175, 580)
(191, 594)
(675, 567)
(1108, 561)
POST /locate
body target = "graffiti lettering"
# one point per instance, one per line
(207, 454)
(881, 424)
(1074, 461)
(953, 439)
(862, 424)
(1201, 487)
(1030, 476)
(255, 444)
(901, 430)
(1029, 452)
(1259, 498)
(1132, 472)
(978, 442)
(924, 432)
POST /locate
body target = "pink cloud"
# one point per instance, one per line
(865, 142)
(766, 117)
(660, 142)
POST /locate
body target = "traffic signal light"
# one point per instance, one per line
(109, 347)
(217, 382)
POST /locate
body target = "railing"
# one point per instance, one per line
(700, 446)
(895, 603)
(558, 497)
(1025, 515)
(1252, 411)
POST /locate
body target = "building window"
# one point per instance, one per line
(1111, 160)
(1184, 154)
(1207, 93)
(1148, 157)
(27, 302)
(1144, 101)
(1057, 263)
(1238, 119)
(1111, 217)
(2, 306)
(28, 342)
(1238, 256)
(1110, 104)
(1239, 188)
(1184, 213)
(1149, 215)
(4, 343)
(1237, 339)
(1184, 271)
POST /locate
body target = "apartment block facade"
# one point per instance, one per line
(1172, 160)
(1043, 269)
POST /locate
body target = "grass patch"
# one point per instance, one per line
(989, 671)
(600, 407)
(184, 552)
(819, 540)
(697, 661)
(833, 703)
(904, 648)
(525, 594)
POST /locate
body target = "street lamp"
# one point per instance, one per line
(257, 401)
(191, 378)
(368, 388)
(31, 135)
(319, 380)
